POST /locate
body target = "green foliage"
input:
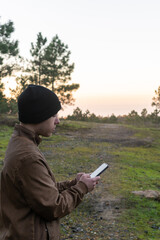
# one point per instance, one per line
(112, 119)
(12, 106)
(144, 113)
(57, 56)
(8, 48)
(8, 120)
(72, 125)
(37, 64)
(8, 52)
(58, 70)
(156, 99)
(50, 67)
(78, 115)
(132, 118)
(5, 133)
(154, 116)
(3, 101)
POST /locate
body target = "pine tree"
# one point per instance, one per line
(50, 67)
(37, 62)
(8, 50)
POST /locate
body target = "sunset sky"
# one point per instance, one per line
(114, 44)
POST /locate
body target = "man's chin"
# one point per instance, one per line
(49, 134)
(46, 134)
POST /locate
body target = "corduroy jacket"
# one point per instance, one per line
(31, 202)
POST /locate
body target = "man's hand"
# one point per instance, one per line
(79, 175)
(90, 182)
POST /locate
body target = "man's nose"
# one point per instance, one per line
(57, 121)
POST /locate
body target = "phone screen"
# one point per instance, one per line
(99, 170)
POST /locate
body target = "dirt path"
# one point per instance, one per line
(113, 133)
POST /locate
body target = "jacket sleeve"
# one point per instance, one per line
(41, 192)
(65, 185)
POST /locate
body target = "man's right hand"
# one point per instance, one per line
(89, 182)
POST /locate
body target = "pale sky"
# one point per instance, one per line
(115, 45)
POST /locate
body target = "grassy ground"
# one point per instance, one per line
(111, 211)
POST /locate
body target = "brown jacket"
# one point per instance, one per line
(31, 202)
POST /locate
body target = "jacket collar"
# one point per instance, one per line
(22, 131)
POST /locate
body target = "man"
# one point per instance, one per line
(31, 201)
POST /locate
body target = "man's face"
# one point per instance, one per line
(47, 127)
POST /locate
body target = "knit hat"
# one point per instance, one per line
(36, 104)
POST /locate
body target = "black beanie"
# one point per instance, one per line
(36, 104)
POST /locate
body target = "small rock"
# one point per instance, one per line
(152, 194)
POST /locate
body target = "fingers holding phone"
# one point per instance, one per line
(89, 182)
(79, 176)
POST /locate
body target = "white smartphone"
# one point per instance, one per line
(99, 170)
